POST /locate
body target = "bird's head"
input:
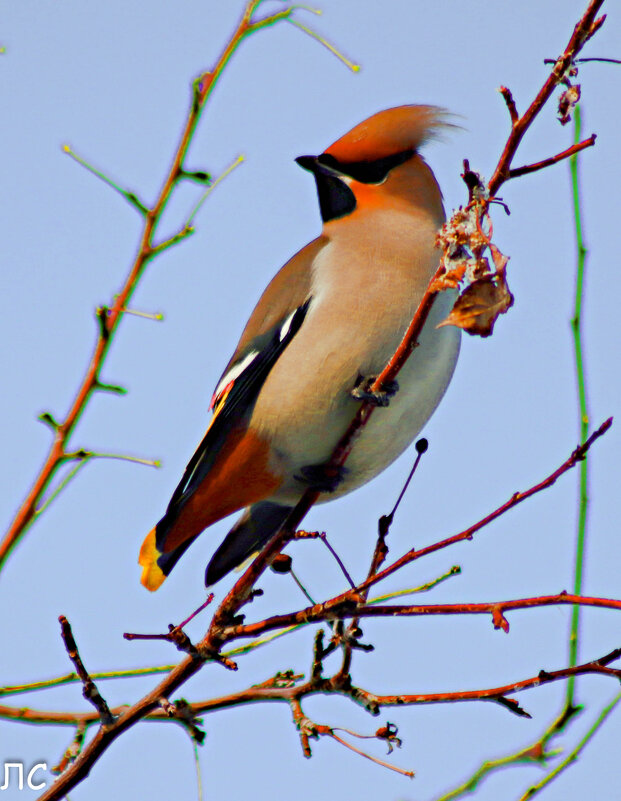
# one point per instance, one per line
(377, 162)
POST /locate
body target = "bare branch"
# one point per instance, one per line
(90, 691)
(571, 151)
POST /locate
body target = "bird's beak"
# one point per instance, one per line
(317, 167)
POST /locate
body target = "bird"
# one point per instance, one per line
(324, 328)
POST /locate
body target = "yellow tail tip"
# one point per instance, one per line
(152, 576)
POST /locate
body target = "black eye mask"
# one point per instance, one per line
(367, 172)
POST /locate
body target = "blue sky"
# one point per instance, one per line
(113, 82)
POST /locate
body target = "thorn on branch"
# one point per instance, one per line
(78, 456)
(135, 201)
(197, 89)
(499, 620)
(89, 688)
(198, 176)
(47, 419)
(115, 389)
(510, 102)
(102, 313)
(512, 705)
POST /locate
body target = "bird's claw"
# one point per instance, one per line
(363, 392)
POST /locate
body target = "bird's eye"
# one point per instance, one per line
(374, 172)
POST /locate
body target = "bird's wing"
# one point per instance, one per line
(234, 397)
(287, 290)
(275, 321)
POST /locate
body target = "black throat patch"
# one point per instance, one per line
(336, 199)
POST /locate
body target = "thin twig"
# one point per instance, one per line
(339, 561)
(89, 691)
(583, 31)
(384, 764)
(467, 534)
(571, 151)
(109, 322)
(290, 694)
(348, 607)
(574, 753)
(583, 409)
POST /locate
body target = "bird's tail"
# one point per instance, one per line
(254, 528)
(155, 564)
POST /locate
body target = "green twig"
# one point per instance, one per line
(538, 752)
(210, 188)
(322, 41)
(529, 756)
(71, 678)
(109, 317)
(61, 486)
(130, 197)
(199, 778)
(581, 253)
(132, 673)
(454, 571)
(574, 753)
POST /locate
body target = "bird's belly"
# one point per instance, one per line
(307, 421)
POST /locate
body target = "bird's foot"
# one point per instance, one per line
(363, 392)
(322, 477)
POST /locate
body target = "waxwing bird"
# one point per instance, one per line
(327, 322)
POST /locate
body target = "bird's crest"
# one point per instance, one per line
(388, 132)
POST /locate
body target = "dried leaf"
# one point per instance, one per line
(478, 306)
(567, 102)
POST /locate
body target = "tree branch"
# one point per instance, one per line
(319, 686)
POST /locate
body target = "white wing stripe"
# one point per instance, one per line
(286, 325)
(235, 371)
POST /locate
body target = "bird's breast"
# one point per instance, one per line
(365, 291)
